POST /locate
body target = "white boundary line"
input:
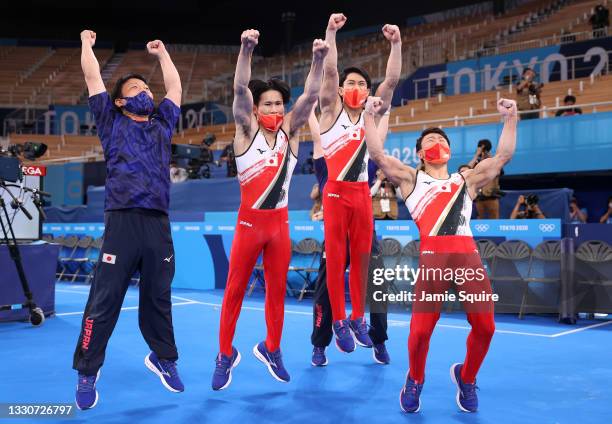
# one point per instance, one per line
(87, 293)
(577, 330)
(399, 323)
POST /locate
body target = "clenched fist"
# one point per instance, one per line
(89, 37)
(319, 49)
(249, 39)
(373, 105)
(507, 107)
(336, 21)
(155, 47)
(392, 33)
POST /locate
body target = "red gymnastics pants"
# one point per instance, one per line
(257, 230)
(347, 211)
(456, 253)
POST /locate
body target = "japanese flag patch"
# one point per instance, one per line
(108, 258)
(272, 161)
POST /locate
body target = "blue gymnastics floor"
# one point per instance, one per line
(537, 371)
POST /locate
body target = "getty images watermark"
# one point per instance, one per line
(471, 284)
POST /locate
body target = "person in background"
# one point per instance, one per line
(384, 197)
(577, 215)
(569, 101)
(308, 166)
(487, 200)
(206, 155)
(528, 95)
(527, 208)
(316, 213)
(606, 218)
(177, 174)
(228, 156)
(463, 167)
(600, 20)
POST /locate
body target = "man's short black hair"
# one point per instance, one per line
(432, 130)
(486, 144)
(355, 70)
(465, 165)
(116, 93)
(258, 87)
(528, 69)
(569, 98)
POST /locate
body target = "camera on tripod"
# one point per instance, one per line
(10, 165)
(11, 173)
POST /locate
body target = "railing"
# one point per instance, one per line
(81, 158)
(539, 42)
(509, 74)
(458, 121)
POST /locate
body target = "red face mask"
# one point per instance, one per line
(438, 153)
(354, 97)
(272, 121)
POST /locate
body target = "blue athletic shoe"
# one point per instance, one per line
(359, 330)
(166, 371)
(410, 396)
(466, 398)
(380, 354)
(344, 339)
(222, 377)
(273, 360)
(318, 357)
(86, 393)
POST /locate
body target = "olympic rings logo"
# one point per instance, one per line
(481, 227)
(547, 228)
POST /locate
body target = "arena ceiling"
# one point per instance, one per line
(198, 22)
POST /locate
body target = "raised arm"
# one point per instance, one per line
(90, 65)
(305, 103)
(605, 216)
(329, 91)
(394, 66)
(243, 99)
(397, 172)
(487, 169)
(474, 160)
(315, 134)
(383, 126)
(172, 80)
(517, 207)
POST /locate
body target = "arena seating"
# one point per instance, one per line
(405, 118)
(40, 75)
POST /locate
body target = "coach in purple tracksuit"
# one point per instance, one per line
(136, 139)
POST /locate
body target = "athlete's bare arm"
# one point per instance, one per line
(172, 80)
(383, 127)
(305, 103)
(243, 99)
(487, 169)
(394, 66)
(328, 98)
(90, 65)
(315, 133)
(397, 172)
